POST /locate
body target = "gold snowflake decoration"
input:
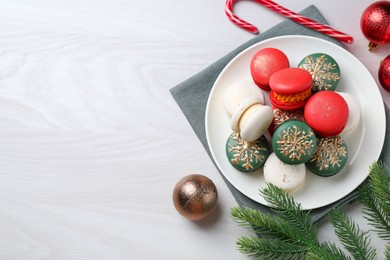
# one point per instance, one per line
(321, 71)
(329, 153)
(246, 153)
(281, 116)
(295, 142)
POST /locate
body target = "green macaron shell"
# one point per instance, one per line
(294, 142)
(324, 70)
(330, 157)
(246, 156)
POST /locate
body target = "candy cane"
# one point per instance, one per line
(322, 28)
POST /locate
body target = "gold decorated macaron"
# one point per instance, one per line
(294, 142)
(246, 156)
(330, 157)
(324, 70)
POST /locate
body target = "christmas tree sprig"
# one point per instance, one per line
(355, 241)
(289, 234)
(375, 199)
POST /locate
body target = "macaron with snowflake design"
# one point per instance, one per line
(280, 116)
(330, 157)
(246, 156)
(324, 70)
(294, 142)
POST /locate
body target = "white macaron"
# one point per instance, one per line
(255, 122)
(288, 177)
(239, 112)
(239, 93)
(353, 112)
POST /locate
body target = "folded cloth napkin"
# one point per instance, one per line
(192, 95)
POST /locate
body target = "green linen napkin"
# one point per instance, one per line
(192, 95)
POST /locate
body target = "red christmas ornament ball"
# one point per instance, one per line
(375, 23)
(384, 73)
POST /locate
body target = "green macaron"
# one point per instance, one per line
(330, 157)
(246, 156)
(324, 70)
(294, 142)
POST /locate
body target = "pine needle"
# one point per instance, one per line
(354, 240)
(289, 233)
(375, 197)
(270, 248)
(286, 208)
(327, 251)
(263, 224)
(387, 251)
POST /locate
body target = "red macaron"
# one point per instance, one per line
(266, 62)
(327, 113)
(290, 88)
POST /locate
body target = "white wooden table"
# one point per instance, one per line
(92, 142)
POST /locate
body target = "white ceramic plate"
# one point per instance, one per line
(364, 144)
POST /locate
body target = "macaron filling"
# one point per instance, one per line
(298, 97)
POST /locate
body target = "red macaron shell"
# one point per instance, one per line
(266, 62)
(290, 81)
(327, 113)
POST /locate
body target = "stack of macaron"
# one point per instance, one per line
(250, 119)
(306, 118)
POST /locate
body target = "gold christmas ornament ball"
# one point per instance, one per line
(195, 196)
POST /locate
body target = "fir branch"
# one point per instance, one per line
(387, 251)
(270, 248)
(286, 208)
(326, 251)
(264, 224)
(289, 234)
(354, 240)
(374, 196)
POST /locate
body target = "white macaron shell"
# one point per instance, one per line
(288, 177)
(257, 124)
(353, 112)
(239, 93)
(236, 116)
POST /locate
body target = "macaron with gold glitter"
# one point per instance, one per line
(324, 70)
(330, 157)
(246, 156)
(290, 88)
(266, 62)
(294, 142)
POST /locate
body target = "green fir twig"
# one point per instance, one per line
(328, 251)
(387, 251)
(289, 234)
(354, 240)
(263, 224)
(266, 248)
(286, 208)
(289, 225)
(375, 198)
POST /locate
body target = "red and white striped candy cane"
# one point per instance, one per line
(322, 28)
